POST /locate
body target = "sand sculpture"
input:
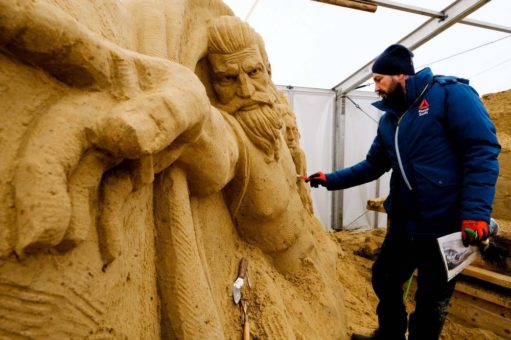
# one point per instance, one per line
(499, 106)
(143, 153)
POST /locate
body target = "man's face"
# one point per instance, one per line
(385, 85)
(240, 80)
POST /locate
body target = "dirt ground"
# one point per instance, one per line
(359, 248)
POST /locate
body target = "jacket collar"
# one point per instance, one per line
(414, 87)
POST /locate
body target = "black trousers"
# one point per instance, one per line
(400, 255)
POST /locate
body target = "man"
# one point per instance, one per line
(439, 141)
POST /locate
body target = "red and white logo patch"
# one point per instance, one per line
(423, 108)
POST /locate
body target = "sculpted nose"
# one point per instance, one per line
(245, 88)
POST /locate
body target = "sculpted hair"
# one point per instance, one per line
(228, 34)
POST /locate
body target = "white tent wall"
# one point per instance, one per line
(359, 129)
(314, 111)
(330, 142)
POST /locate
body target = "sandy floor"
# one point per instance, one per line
(358, 250)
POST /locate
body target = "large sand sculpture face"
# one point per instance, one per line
(127, 195)
(239, 78)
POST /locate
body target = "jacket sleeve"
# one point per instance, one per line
(475, 137)
(375, 165)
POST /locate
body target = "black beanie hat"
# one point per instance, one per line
(396, 59)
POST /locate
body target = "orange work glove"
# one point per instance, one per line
(317, 179)
(473, 231)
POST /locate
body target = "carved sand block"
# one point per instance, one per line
(140, 159)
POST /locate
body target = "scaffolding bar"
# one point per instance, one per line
(436, 14)
(453, 14)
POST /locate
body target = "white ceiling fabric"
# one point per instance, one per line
(317, 45)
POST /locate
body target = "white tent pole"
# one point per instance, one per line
(431, 28)
(338, 158)
(436, 14)
(251, 10)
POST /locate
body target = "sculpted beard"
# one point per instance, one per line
(262, 126)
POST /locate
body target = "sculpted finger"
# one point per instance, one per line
(144, 126)
(83, 192)
(50, 152)
(43, 206)
(117, 185)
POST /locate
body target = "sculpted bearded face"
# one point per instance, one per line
(242, 84)
(240, 80)
(292, 134)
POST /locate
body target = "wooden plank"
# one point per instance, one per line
(488, 276)
(501, 300)
(376, 204)
(481, 314)
(475, 291)
(476, 306)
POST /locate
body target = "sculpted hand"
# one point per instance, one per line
(317, 179)
(473, 231)
(121, 105)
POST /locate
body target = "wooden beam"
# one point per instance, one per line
(488, 276)
(485, 294)
(481, 314)
(376, 204)
(478, 306)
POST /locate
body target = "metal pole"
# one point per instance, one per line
(338, 159)
(439, 15)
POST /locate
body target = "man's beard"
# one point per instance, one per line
(396, 99)
(263, 127)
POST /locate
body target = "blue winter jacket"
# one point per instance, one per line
(443, 153)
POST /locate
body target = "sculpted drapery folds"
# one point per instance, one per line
(113, 157)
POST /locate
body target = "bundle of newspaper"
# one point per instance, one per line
(457, 257)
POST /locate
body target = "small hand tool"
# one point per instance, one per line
(236, 289)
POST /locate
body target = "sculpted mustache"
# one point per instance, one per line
(257, 98)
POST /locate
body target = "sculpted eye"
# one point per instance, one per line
(227, 79)
(254, 72)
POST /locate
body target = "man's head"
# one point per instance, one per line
(242, 83)
(239, 75)
(390, 71)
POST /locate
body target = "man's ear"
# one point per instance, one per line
(402, 79)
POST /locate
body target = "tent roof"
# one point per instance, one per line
(317, 45)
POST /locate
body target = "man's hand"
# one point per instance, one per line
(317, 179)
(473, 231)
